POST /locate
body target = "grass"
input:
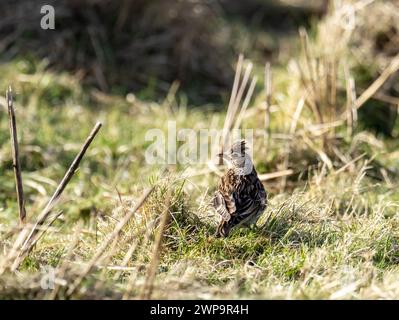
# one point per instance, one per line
(328, 234)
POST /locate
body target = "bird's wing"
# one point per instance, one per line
(224, 205)
(250, 200)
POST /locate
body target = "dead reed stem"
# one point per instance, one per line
(312, 74)
(385, 98)
(246, 102)
(351, 110)
(233, 111)
(333, 92)
(65, 180)
(274, 175)
(15, 156)
(349, 163)
(385, 75)
(231, 103)
(35, 238)
(288, 146)
(29, 236)
(233, 116)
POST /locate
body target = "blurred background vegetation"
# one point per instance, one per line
(144, 46)
(123, 46)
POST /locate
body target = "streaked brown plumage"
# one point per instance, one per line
(240, 198)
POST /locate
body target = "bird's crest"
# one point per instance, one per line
(239, 146)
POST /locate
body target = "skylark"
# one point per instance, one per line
(240, 198)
